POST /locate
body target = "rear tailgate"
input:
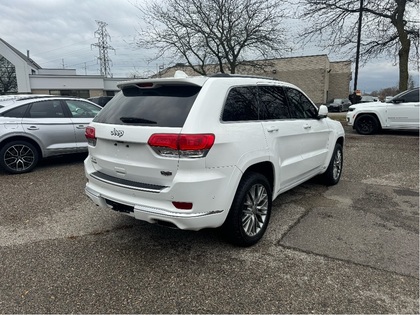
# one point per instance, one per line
(123, 128)
(122, 151)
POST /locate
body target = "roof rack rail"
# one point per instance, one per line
(227, 75)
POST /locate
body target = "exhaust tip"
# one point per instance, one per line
(166, 224)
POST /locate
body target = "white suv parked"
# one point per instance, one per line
(400, 112)
(204, 152)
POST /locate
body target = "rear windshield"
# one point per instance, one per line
(164, 106)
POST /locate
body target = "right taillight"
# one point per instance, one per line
(181, 145)
(90, 135)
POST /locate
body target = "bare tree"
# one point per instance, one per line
(220, 32)
(8, 82)
(389, 27)
(383, 93)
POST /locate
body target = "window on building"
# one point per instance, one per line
(8, 81)
(74, 93)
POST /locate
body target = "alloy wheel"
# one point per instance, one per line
(19, 157)
(255, 210)
(337, 164)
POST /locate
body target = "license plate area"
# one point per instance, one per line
(119, 206)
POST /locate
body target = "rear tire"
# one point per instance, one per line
(18, 157)
(250, 211)
(333, 173)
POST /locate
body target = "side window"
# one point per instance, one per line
(81, 109)
(273, 103)
(17, 112)
(46, 109)
(241, 104)
(300, 105)
(412, 96)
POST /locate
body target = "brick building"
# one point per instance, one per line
(318, 77)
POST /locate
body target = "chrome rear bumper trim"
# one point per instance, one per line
(127, 183)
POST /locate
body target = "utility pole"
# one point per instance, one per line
(102, 35)
(359, 32)
(356, 97)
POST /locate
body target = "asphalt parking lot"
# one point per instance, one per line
(350, 248)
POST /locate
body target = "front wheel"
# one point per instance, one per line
(333, 173)
(250, 211)
(366, 125)
(18, 157)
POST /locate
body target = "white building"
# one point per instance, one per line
(31, 78)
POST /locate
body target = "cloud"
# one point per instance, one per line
(380, 74)
(61, 32)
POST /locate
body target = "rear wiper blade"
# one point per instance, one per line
(136, 120)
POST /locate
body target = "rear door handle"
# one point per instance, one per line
(272, 129)
(81, 127)
(307, 126)
(33, 128)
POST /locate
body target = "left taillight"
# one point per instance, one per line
(90, 135)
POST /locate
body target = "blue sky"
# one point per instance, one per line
(60, 33)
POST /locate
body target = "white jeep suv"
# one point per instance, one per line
(400, 112)
(204, 152)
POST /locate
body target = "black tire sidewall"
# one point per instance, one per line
(233, 225)
(329, 174)
(18, 142)
(372, 120)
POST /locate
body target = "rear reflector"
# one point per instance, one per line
(182, 205)
(181, 145)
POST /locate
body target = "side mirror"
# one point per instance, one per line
(322, 111)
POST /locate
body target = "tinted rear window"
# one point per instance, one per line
(241, 104)
(164, 106)
(18, 112)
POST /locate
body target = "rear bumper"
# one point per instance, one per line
(208, 193)
(184, 221)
